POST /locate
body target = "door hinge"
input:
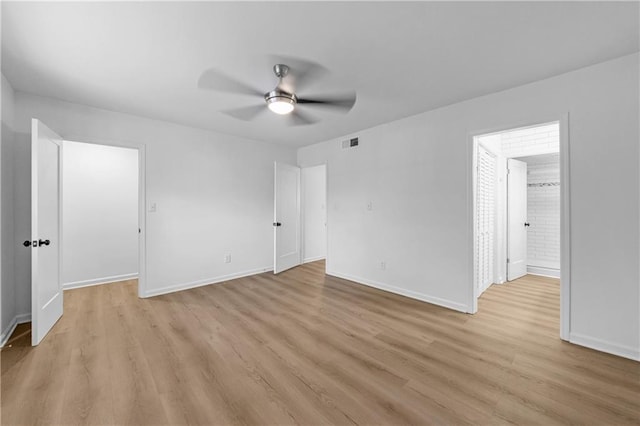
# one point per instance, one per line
(508, 261)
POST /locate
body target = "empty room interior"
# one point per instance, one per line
(313, 213)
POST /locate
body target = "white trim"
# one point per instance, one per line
(99, 281)
(313, 259)
(543, 272)
(460, 307)
(326, 215)
(604, 346)
(34, 232)
(142, 220)
(302, 196)
(18, 319)
(207, 281)
(565, 230)
(472, 164)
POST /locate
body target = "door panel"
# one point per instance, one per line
(287, 253)
(485, 217)
(46, 283)
(516, 219)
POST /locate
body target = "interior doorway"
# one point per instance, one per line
(300, 215)
(519, 204)
(314, 213)
(100, 214)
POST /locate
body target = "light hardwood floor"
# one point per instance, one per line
(308, 349)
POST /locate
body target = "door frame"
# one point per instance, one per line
(302, 216)
(142, 204)
(326, 206)
(565, 214)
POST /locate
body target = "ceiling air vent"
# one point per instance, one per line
(350, 143)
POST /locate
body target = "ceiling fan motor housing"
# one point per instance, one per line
(280, 101)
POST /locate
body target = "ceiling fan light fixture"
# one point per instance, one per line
(280, 102)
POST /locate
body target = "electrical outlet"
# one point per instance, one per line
(227, 258)
(370, 205)
(383, 265)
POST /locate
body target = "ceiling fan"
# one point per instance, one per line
(283, 99)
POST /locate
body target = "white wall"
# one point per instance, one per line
(416, 173)
(213, 192)
(100, 214)
(7, 237)
(12, 309)
(314, 220)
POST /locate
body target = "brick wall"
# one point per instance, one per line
(543, 209)
(537, 140)
(543, 190)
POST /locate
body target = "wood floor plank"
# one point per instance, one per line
(304, 348)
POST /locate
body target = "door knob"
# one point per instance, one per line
(277, 224)
(43, 243)
(526, 224)
(27, 243)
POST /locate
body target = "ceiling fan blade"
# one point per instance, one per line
(301, 71)
(299, 118)
(213, 79)
(341, 102)
(246, 113)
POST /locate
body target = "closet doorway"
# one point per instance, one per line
(519, 204)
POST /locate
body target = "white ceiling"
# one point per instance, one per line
(145, 58)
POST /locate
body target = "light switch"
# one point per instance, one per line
(370, 205)
(153, 208)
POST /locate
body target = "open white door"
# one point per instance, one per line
(46, 283)
(286, 218)
(516, 219)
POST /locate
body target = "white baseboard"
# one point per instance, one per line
(99, 281)
(604, 346)
(460, 307)
(207, 281)
(8, 331)
(543, 271)
(313, 259)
